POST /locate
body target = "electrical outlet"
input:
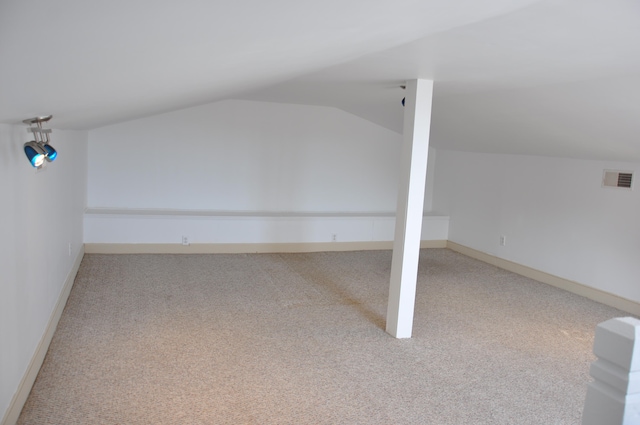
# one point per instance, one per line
(334, 237)
(185, 240)
(503, 240)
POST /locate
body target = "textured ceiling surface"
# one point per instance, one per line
(551, 77)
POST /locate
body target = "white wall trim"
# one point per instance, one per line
(151, 212)
(598, 295)
(21, 395)
(244, 248)
(226, 227)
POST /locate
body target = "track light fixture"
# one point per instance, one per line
(39, 150)
(35, 153)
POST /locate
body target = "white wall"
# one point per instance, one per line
(41, 214)
(245, 156)
(218, 173)
(554, 213)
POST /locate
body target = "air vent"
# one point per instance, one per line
(621, 179)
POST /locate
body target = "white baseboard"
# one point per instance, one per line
(245, 248)
(598, 295)
(433, 244)
(21, 395)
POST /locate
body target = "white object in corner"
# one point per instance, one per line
(613, 397)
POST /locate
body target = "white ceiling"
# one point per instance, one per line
(551, 77)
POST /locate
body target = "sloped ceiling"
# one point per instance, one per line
(557, 77)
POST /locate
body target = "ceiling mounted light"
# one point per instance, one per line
(51, 152)
(39, 150)
(35, 153)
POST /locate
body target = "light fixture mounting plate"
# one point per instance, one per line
(37, 120)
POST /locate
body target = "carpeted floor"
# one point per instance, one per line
(299, 339)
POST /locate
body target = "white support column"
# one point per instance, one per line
(613, 398)
(406, 246)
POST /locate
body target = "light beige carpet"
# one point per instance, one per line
(299, 339)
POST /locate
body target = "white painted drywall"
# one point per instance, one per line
(41, 213)
(241, 157)
(555, 215)
(245, 156)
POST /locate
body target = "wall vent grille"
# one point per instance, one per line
(621, 179)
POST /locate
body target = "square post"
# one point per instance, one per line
(406, 246)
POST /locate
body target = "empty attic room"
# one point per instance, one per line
(418, 212)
